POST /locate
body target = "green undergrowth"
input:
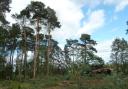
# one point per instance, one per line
(39, 83)
(61, 82)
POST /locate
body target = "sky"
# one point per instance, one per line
(104, 20)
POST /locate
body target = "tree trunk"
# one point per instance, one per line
(25, 56)
(85, 56)
(25, 61)
(48, 53)
(25, 49)
(36, 53)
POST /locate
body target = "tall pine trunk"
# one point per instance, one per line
(25, 56)
(36, 53)
(48, 52)
(25, 48)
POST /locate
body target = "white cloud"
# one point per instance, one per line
(79, 3)
(104, 49)
(119, 4)
(16, 7)
(96, 20)
(70, 15)
(110, 2)
(93, 3)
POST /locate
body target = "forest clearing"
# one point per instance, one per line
(32, 58)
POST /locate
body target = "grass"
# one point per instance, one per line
(39, 83)
(59, 82)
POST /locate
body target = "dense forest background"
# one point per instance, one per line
(29, 53)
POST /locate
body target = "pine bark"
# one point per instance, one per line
(36, 54)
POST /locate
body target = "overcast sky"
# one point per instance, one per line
(104, 20)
